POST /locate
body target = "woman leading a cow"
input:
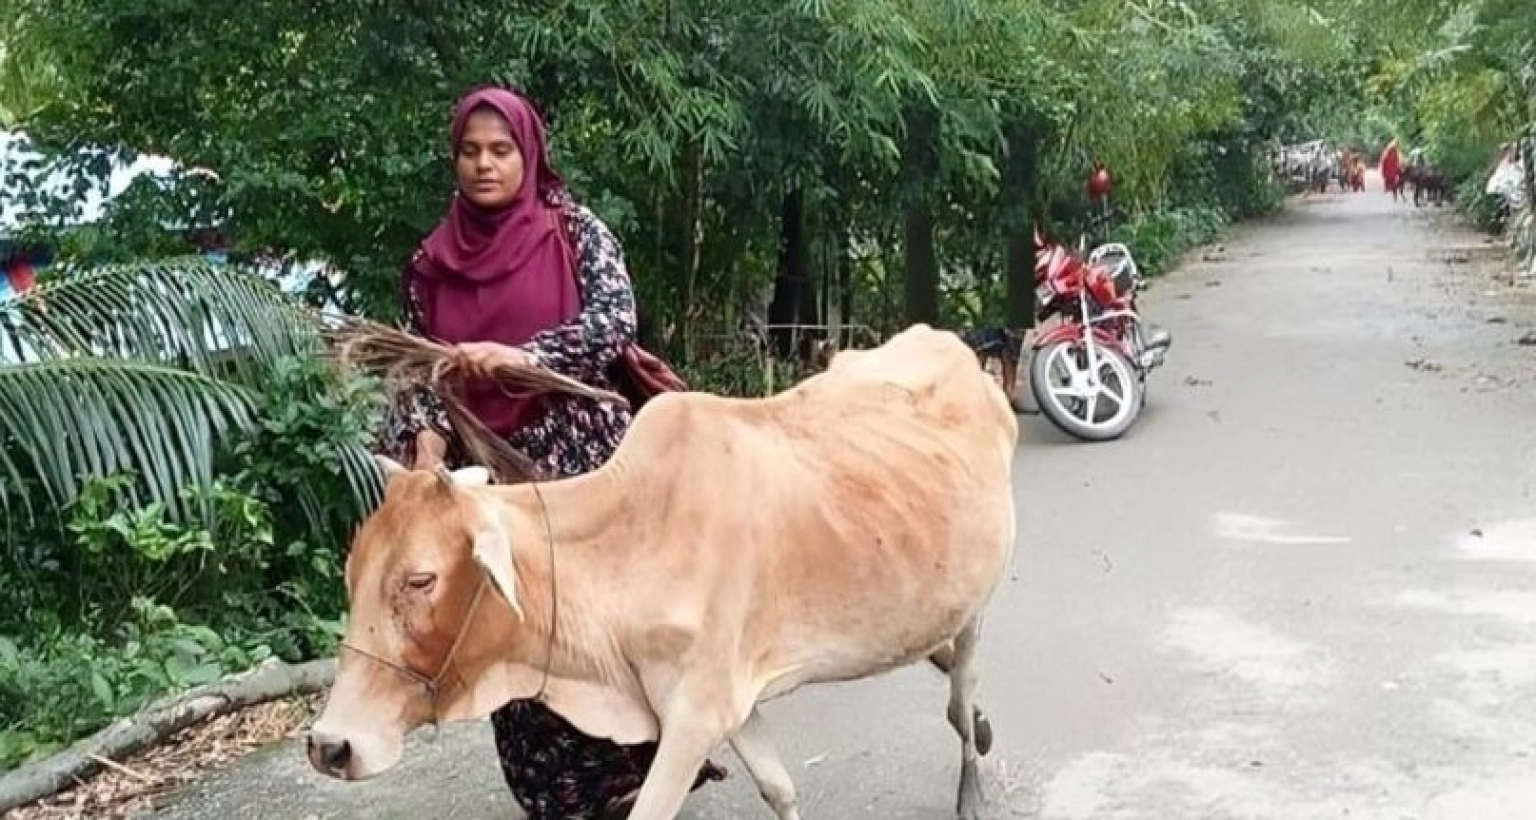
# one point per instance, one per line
(518, 272)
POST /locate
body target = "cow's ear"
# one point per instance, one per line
(389, 466)
(471, 476)
(493, 552)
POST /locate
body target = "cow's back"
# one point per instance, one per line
(925, 383)
(870, 504)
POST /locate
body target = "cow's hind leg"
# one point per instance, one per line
(751, 744)
(944, 661)
(962, 715)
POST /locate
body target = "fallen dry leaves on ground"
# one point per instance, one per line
(141, 782)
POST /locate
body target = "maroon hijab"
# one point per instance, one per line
(499, 276)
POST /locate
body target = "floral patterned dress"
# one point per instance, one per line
(555, 771)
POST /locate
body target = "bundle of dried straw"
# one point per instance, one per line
(402, 358)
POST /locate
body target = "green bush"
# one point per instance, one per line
(1217, 181)
(310, 418)
(121, 603)
(135, 606)
(58, 684)
(1464, 160)
(1485, 211)
(743, 373)
(1159, 238)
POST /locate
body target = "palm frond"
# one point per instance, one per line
(69, 419)
(402, 358)
(186, 313)
(146, 367)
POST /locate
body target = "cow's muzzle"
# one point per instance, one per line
(330, 755)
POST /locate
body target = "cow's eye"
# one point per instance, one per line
(420, 581)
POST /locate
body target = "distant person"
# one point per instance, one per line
(1392, 168)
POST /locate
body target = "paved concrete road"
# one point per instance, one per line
(1302, 588)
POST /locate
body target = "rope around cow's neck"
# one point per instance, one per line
(554, 593)
(433, 685)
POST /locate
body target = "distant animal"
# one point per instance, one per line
(1429, 183)
(1323, 170)
(1357, 174)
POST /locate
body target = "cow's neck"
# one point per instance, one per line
(581, 674)
(569, 566)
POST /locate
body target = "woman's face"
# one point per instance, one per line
(488, 162)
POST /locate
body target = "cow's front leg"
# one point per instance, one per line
(691, 728)
(752, 745)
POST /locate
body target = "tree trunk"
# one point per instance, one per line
(792, 291)
(545, 91)
(1021, 280)
(1020, 179)
(693, 244)
(845, 285)
(922, 264)
(810, 311)
(922, 290)
(826, 265)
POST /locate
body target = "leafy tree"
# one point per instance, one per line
(875, 160)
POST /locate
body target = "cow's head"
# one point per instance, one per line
(429, 580)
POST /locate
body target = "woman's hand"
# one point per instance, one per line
(482, 358)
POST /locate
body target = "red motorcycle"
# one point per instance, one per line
(1088, 372)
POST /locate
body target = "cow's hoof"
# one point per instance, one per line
(970, 802)
(983, 733)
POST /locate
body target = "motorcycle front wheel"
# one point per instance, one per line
(1097, 401)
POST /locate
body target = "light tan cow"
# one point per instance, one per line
(731, 551)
